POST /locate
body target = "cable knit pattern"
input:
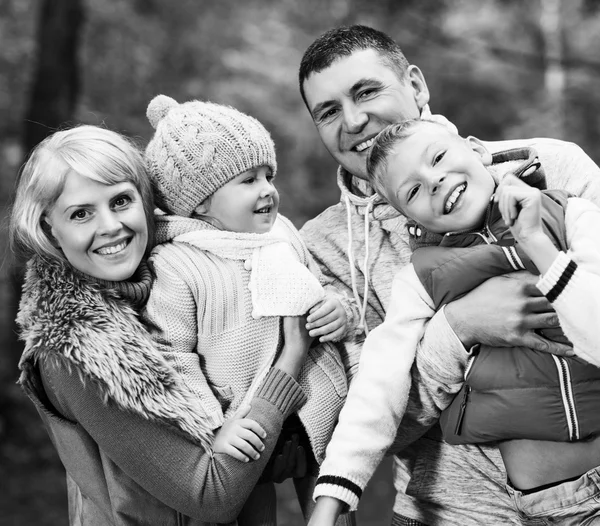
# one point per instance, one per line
(201, 315)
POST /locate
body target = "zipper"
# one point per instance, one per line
(485, 233)
(568, 398)
(463, 407)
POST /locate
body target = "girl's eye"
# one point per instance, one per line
(250, 180)
(79, 214)
(438, 157)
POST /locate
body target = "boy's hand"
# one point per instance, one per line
(239, 437)
(327, 320)
(521, 208)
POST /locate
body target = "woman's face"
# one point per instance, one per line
(100, 228)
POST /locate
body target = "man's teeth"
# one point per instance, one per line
(106, 251)
(453, 198)
(364, 145)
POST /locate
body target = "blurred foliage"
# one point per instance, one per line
(485, 62)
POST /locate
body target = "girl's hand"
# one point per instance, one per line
(295, 346)
(239, 437)
(327, 320)
(521, 208)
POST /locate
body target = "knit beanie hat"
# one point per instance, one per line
(198, 147)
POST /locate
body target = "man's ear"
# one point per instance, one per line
(478, 147)
(417, 81)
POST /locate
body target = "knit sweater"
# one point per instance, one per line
(436, 483)
(122, 421)
(215, 308)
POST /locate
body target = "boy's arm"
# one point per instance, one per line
(572, 283)
(377, 397)
(171, 318)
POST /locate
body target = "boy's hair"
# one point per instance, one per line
(198, 147)
(342, 42)
(99, 154)
(383, 146)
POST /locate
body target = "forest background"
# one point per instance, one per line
(496, 68)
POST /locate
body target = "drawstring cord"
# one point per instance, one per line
(362, 306)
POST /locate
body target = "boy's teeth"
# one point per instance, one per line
(453, 197)
(364, 145)
(105, 251)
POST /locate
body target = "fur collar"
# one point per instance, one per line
(64, 316)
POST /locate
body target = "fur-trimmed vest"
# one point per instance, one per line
(94, 329)
(514, 392)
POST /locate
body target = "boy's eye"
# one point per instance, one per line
(412, 192)
(438, 157)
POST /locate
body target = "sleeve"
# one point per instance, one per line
(208, 486)
(572, 283)
(170, 316)
(377, 398)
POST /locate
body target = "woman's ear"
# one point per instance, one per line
(478, 147)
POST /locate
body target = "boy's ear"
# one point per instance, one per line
(478, 147)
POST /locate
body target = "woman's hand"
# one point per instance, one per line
(240, 437)
(327, 320)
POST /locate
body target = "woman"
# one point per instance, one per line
(122, 421)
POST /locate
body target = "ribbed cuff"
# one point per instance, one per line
(339, 488)
(556, 278)
(282, 390)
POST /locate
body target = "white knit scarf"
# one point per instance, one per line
(279, 284)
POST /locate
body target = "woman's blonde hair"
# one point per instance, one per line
(99, 154)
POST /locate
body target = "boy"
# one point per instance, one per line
(445, 184)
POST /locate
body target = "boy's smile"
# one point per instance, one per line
(439, 179)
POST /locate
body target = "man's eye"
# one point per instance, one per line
(328, 114)
(366, 93)
(438, 157)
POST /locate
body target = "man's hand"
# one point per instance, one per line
(327, 320)
(326, 512)
(506, 311)
(286, 461)
(240, 437)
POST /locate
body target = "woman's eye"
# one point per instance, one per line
(438, 157)
(79, 214)
(122, 200)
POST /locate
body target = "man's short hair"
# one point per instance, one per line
(342, 42)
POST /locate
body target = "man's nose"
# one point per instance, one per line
(355, 119)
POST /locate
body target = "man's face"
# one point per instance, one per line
(355, 98)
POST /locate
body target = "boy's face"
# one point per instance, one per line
(355, 98)
(439, 179)
(248, 203)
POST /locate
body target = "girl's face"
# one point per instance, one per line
(247, 203)
(100, 228)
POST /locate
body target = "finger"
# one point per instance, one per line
(324, 320)
(324, 309)
(245, 447)
(333, 336)
(326, 329)
(536, 342)
(234, 452)
(242, 411)
(253, 426)
(300, 468)
(252, 438)
(539, 321)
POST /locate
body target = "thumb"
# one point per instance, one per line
(242, 411)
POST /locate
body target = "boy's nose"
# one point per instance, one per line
(436, 183)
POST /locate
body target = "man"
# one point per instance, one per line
(355, 81)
